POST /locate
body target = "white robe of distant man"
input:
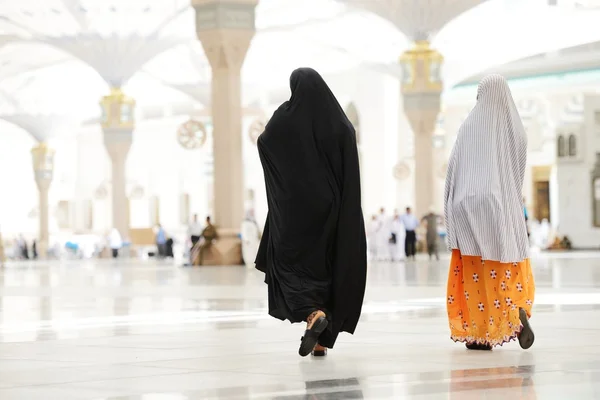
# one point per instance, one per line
(383, 237)
(250, 239)
(372, 234)
(396, 250)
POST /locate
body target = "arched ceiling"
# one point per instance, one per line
(329, 35)
(417, 19)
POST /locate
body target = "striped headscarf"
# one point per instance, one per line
(483, 192)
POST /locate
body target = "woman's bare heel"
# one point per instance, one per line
(319, 351)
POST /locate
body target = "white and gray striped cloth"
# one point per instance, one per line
(483, 193)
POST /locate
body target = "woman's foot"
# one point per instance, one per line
(476, 346)
(526, 336)
(319, 351)
(316, 324)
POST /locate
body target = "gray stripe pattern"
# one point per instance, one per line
(483, 193)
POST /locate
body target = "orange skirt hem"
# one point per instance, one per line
(484, 298)
(491, 342)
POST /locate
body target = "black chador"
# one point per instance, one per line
(313, 250)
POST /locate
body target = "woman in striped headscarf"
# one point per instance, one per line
(490, 284)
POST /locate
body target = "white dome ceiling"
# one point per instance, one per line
(328, 35)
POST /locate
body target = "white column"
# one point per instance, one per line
(421, 90)
(118, 125)
(43, 167)
(225, 29)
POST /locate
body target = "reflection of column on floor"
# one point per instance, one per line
(516, 379)
(421, 90)
(43, 167)
(118, 125)
(45, 309)
(226, 29)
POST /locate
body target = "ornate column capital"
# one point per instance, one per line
(421, 67)
(117, 111)
(43, 165)
(225, 29)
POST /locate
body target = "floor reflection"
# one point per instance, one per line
(485, 379)
(329, 389)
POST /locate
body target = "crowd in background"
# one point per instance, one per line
(397, 237)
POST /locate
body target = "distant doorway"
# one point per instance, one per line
(541, 193)
(542, 200)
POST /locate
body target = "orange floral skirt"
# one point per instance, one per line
(484, 298)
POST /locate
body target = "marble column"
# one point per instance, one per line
(43, 167)
(2, 254)
(421, 91)
(225, 29)
(118, 125)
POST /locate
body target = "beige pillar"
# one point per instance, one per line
(118, 125)
(43, 167)
(421, 90)
(2, 254)
(226, 28)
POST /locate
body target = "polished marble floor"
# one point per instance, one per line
(148, 330)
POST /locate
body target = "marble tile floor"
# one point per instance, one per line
(147, 330)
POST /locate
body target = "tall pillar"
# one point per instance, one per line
(43, 167)
(226, 28)
(2, 255)
(118, 124)
(421, 90)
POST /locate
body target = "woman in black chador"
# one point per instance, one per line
(313, 250)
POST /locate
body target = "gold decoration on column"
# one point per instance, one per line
(43, 167)
(225, 28)
(117, 110)
(421, 89)
(421, 67)
(118, 123)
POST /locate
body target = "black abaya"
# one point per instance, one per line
(313, 249)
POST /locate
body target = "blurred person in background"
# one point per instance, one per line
(209, 235)
(194, 231)
(115, 242)
(250, 238)
(372, 235)
(383, 236)
(23, 248)
(396, 245)
(526, 214)
(431, 221)
(411, 223)
(161, 241)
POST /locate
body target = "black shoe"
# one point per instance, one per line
(526, 336)
(476, 346)
(319, 353)
(311, 336)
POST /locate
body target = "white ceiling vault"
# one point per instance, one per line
(417, 19)
(150, 46)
